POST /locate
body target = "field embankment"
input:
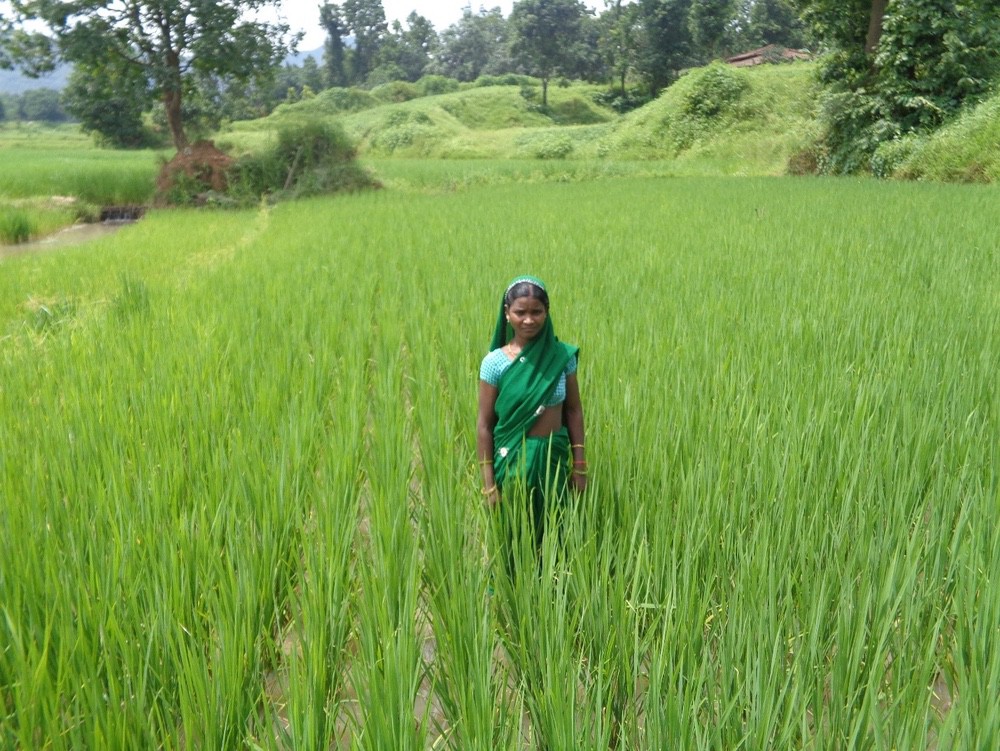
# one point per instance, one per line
(714, 120)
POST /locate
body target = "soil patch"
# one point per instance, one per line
(193, 173)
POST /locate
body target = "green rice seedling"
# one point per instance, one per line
(250, 515)
(16, 227)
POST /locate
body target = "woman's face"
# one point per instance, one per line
(526, 316)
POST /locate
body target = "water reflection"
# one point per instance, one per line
(74, 235)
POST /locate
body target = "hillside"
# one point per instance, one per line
(714, 120)
(13, 82)
(966, 150)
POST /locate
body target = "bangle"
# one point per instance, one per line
(576, 471)
(487, 491)
(576, 445)
(485, 461)
(579, 461)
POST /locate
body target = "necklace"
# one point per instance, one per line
(510, 349)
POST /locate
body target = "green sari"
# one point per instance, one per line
(535, 465)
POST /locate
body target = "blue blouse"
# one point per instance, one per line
(496, 362)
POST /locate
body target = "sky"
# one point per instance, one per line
(304, 14)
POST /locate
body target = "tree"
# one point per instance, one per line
(478, 44)
(545, 35)
(43, 105)
(366, 21)
(898, 66)
(665, 47)
(774, 22)
(332, 21)
(170, 42)
(619, 40)
(710, 22)
(410, 49)
(109, 102)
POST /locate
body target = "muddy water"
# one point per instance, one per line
(78, 233)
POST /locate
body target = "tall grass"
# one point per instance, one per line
(240, 503)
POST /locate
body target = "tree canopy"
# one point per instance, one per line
(546, 34)
(172, 43)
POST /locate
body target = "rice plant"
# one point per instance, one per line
(240, 506)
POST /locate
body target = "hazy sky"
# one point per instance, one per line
(304, 14)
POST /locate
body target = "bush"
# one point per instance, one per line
(553, 147)
(433, 85)
(508, 79)
(395, 92)
(714, 92)
(16, 227)
(621, 101)
(889, 156)
(402, 129)
(308, 159)
(338, 100)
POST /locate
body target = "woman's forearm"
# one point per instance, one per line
(573, 418)
(484, 453)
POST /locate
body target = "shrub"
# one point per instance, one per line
(553, 147)
(889, 156)
(621, 101)
(714, 91)
(433, 85)
(16, 227)
(396, 92)
(308, 159)
(508, 79)
(343, 100)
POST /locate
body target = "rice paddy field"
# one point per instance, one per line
(240, 508)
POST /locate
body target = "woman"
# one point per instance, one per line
(530, 415)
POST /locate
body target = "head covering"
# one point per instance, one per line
(525, 387)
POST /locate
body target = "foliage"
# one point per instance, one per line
(711, 28)
(544, 35)
(334, 50)
(410, 49)
(552, 146)
(366, 21)
(964, 150)
(622, 102)
(311, 158)
(508, 79)
(396, 91)
(666, 46)
(108, 102)
(432, 85)
(477, 45)
(932, 57)
(170, 43)
(16, 226)
(41, 105)
(775, 22)
(714, 90)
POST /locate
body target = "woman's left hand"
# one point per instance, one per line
(578, 482)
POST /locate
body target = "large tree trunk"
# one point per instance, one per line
(875, 25)
(172, 104)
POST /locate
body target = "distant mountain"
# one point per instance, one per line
(299, 57)
(12, 82)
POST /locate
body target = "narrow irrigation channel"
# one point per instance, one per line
(113, 218)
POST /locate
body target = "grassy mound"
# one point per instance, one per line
(963, 151)
(722, 120)
(714, 120)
